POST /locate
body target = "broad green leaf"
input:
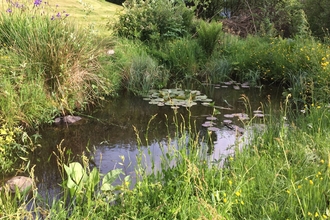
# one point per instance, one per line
(109, 178)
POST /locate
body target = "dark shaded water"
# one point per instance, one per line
(110, 131)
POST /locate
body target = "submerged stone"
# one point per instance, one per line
(20, 183)
(68, 119)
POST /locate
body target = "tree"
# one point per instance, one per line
(318, 16)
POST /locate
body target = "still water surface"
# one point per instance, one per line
(109, 132)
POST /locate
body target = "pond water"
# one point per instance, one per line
(109, 131)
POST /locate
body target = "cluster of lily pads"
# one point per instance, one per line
(177, 98)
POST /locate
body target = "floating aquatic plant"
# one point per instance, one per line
(176, 97)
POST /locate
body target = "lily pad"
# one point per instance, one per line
(206, 103)
(227, 121)
(211, 118)
(208, 124)
(228, 115)
(213, 129)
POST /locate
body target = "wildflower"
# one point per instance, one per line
(58, 15)
(52, 18)
(322, 161)
(309, 214)
(230, 182)
(288, 191)
(316, 214)
(311, 182)
(238, 193)
(37, 2)
(299, 187)
(224, 200)
(9, 10)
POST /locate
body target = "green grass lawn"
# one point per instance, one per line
(91, 13)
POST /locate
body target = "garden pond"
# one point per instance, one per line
(108, 135)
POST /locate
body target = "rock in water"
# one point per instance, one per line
(21, 183)
(68, 119)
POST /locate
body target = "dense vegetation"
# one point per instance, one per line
(51, 66)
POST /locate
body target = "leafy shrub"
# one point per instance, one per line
(12, 147)
(153, 21)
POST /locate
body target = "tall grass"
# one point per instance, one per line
(52, 54)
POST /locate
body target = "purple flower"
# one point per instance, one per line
(66, 15)
(58, 15)
(9, 10)
(37, 2)
(52, 18)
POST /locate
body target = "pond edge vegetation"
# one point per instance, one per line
(72, 71)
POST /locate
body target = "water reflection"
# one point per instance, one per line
(110, 130)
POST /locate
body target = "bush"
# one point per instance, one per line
(149, 21)
(13, 147)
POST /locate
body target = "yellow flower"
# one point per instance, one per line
(309, 214)
(316, 214)
(288, 191)
(224, 200)
(322, 161)
(299, 186)
(311, 182)
(238, 193)
(230, 182)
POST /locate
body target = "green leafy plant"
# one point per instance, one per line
(14, 147)
(149, 22)
(83, 185)
(208, 35)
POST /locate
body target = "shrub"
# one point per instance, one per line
(149, 21)
(14, 147)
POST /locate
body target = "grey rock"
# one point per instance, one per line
(20, 183)
(68, 119)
